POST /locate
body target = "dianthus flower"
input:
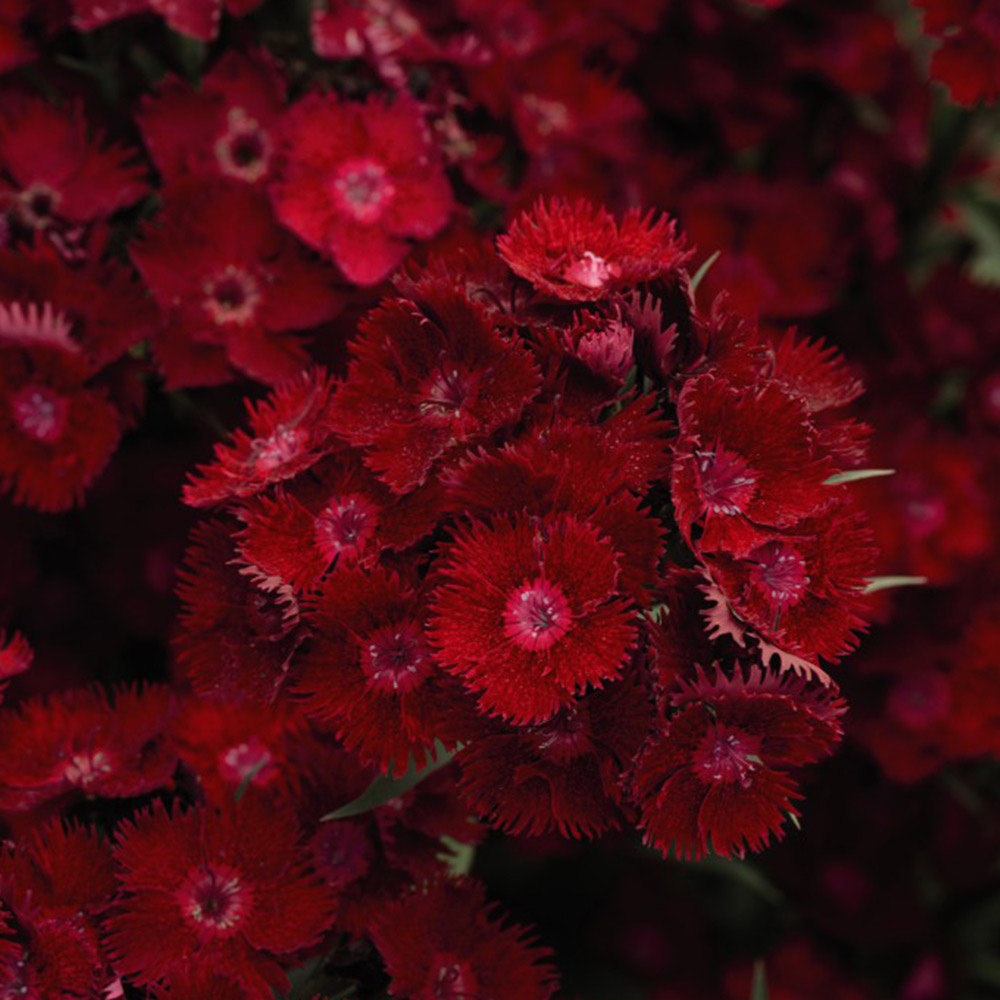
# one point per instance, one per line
(358, 180)
(232, 285)
(719, 777)
(576, 251)
(528, 613)
(215, 892)
(425, 376)
(444, 941)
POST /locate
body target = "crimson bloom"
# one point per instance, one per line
(358, 180)
(215, 892)
(443, 940)
(528, 613)
(578, 252)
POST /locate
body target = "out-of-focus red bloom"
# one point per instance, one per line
(528, 613)
(290, 431)
(195, 18)
(967, 60)
(443, 940)
(15, 656)
(15, 49)
(232, 285)
(358, 180)
(576, 251)
(215, 892)
(85, 742)
(226, 128)
(719, 777)
(426, 376)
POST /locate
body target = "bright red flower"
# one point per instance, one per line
(528, 613)
(290, 432)
(215, 892)
(358, 180)
(719, 777)
(86, 742)
(232, 285)
(195, 18)
(745, 463)
(226, 128)
(425, 376)
(577, 251)
(444, 941)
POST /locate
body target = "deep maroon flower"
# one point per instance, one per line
(358, 180)
(718, 778)
(577, 251)
(232, 285)
(426, 376)
(528, 613)
(290, 432)
(85, 742)
(444, 941)
(16, 655)
(15, 49)
(966, 60)
(215, 892)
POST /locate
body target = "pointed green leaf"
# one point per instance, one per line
(703, 270)
(877, 583)
(854, 475)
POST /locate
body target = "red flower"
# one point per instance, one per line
(576, 250)
(745, 462)
(15, 49)
(291, 431)
(215, 892)
(232, 285)
(717, 778)
(15, 656)
(85, 742)
(966, 60)
(53, 172)
(444, 941)
(528, 613)
(226, 128)
(196, 18)
(357, 180)
(427, 376)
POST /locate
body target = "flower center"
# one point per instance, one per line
(924, 510)
(247, 761)
(214, 899)
(591, 271)
(728, 757)
(395, 658)
(537, 615)
(244, 150)
(549, 117)
(362, 188)
(445, 395)
(346, 525)
(451, 978)
(564, 737)
(727, 483)
(41, 413)
(343, 853)
(86, 768)
(232, 296)
(781, 571)
(278, 448)
(919, 700)
(38, 205)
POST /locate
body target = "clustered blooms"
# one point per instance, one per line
(550, 515)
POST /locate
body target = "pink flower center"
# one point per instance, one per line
(781, 572)
(244, 150)
(346, 525)
(343, 853)
(924, 510)
(564, 737)
(395, 658)
(591, 271)
(445, 394)
(267, 454)
(84, 769)
(232, 297)
(728, 484)
(919, 700)
(451, 978)
(537, 615)
(727, 756)
(41, 413)
(38, 205)
(363, 189)
(214, 899)
(251, 759)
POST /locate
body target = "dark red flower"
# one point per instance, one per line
(444, 941)
(290, 432)
(15, 48)
(577, 251)
(86, 742)
(528, 613)
(966, 59)
(232, 285)
(195, 18)
(226, 128)
(719, 777)
(425, 376)
(358, 180)
(215, 892)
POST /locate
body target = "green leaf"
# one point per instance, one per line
(387, 788)
(758, 989)
(855, 474)
(877, 583)
(703, 270)
(458, 856)
(191, 55)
